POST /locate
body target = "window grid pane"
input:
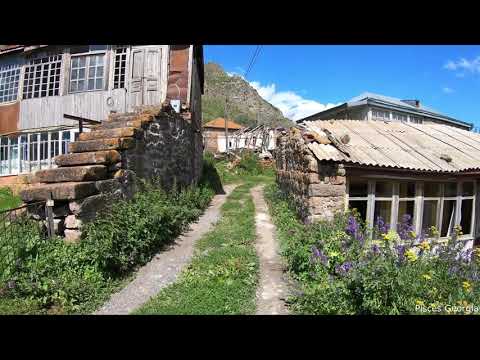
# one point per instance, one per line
(42, 77)
(120, 67)
(9, 79)
(87, 73)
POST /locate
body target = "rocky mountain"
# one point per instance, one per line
(244, 105)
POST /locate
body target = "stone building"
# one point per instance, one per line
(384, 170)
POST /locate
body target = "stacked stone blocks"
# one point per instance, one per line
(316, 188)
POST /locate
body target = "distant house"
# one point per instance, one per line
(214, 135)
(368, 106)
(39, 84)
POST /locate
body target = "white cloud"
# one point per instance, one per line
(465, 65)
(292, 105)
(447, 90)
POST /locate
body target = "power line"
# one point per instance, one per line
(253, 59)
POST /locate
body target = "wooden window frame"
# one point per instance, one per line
(419, 199)
(55, 60)
(17, 69)
(88, 57)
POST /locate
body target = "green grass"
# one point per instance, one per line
(223, 275)
(8, 200)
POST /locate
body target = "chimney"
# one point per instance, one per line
(415, 103)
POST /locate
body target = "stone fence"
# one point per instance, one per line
(104, 165)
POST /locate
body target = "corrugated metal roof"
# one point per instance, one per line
(398, 145)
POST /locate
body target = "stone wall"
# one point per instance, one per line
(104, 165)
(317, 188)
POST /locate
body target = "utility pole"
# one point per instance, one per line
(226, 127)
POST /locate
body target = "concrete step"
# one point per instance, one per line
(72, 173)
(108, 133)
(60, 191)
(88, 158)
(101, 144)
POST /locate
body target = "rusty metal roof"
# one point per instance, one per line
(432, 147)
(219, 123)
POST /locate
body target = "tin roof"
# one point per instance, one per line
(432, 147)
(388, 102)
(220, 124)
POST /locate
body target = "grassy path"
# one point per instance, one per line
(223, 275)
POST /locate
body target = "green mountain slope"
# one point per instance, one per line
(244, 105)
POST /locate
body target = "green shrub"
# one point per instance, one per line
(249, 164)
(8, 200)
(133, 231)
(340, 271)
(77, 277)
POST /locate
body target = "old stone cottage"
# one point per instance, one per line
(384, 170)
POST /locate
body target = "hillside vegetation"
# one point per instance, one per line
(244, 105)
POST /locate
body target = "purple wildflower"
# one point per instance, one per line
(405, 227)
(381, 226)
(344, 268)
(400, 251)
(376, 249)
(318, 255)
(353, 229)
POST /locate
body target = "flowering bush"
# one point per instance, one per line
(341, 271)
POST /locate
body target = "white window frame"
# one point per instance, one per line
(88, 56)
(419, 199)
(17, 69)
(28, 165)
(31, 65)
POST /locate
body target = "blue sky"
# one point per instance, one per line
(302, 80)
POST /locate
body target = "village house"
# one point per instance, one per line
(368, 106)
(386, 170)
(214, 138)
(46, 89)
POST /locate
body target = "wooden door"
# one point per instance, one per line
(145, 81)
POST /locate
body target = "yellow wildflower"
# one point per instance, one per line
(411, 255)
(333, 254)
(425, 245)
(434, 231)
(419, 302)
(467, 286)
(458, 230)
(412, 234)
(427, 277)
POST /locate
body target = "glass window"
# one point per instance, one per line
(407, 189)
(431, 189)
(360, 206)
(65, 141)
(46, 74)
(448, 217)
(430, 212)
(87, 73)
(9, 80)
(383, 189)
(405, 207)
(120, 68)
(467, 188)
(466, 216)
(450, 189)
(382, 212)
(358, 188)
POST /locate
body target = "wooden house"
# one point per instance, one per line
(41, 84)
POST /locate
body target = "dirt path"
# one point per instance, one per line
(164, 268)
(272, 289)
